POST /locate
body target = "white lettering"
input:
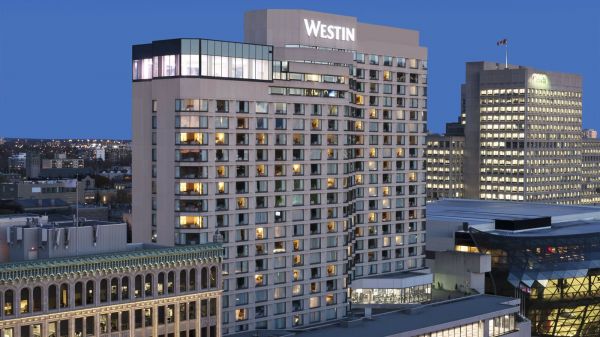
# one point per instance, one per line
(323, 28)
(350, 33)
(313, 28)
(331, 32)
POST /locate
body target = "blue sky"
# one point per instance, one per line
(65, 65)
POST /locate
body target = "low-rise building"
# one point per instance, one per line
(471, 316)
(61, 161)
(69, 190)
(590, 133)
(85, 280)
(548, 256)
(17, 163)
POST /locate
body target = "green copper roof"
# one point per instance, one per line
(143, 256)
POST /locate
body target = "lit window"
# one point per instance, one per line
(220, 138)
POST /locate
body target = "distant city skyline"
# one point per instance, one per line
(64, 69)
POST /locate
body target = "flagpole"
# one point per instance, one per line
(506, 55)
(77, 204)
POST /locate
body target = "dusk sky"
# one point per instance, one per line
(65, 66)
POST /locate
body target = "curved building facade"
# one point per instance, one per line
(555, 272)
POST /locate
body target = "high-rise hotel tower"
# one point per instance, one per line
(302, 146)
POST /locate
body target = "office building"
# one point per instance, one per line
(33, 163)
(545, 255)
(68, 190)
(522, 134)
(17, 163)
(590, 133)
(590, 171)
(444, 163)
(100, 154)
(65, 280)
(60, 160)
(303, 146)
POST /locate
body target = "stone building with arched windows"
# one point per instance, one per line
(55, 285)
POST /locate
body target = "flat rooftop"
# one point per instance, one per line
(18, 216)
(559, 229)
(398, 275)
(431, 315)
(486, 211)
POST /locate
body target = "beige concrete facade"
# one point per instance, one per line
(313, 174)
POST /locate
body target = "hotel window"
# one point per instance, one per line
(222, 106)
(196, 105)
(221, 138)
(280, 108)
(190, 57)
(262, 123)
(194, 122)
(314, 302)
(373, 88)
(413, 63)
(374, 59)
(142, 69)
(192, 221)
(280, 123)
(387, 75)
(262, 107)
(243, 107)
(235, 60)
(221, 122)
(387, 61)
(359, 57)
(387, 89)
(373, 74)
(191, 138)
(168, 65)
(401, 62)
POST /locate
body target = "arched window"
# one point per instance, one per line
(78, 294)
(137, 291)
(64, 295)
(52, 301)
(171, 282)
(183, 281)
(125, 288)
(213, 277)
(103, 291)
(204, 278)
(37, 299)
(192, 279)
(148, 285)
(9, 302)
(114, 289)
(161, 284)
(89, 292)
(24, 302)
